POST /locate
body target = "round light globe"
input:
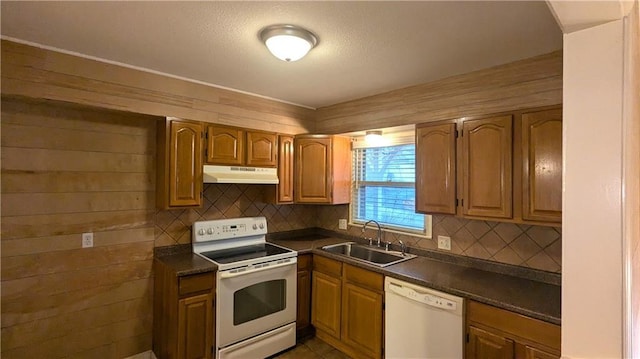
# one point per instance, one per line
(288, 47)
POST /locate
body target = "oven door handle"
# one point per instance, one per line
(228, 274)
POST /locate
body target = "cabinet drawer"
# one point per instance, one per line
(195, 283)
(523, 328)
(328, 266)
(304, 262)
(364, 278)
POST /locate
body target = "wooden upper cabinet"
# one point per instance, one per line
(322, 171)
(487, 146)
(282, 193)
(313, 163)
(436, 168)
(179, 164)
(262, 149)
(542, 165)
(239, 147)
(225, 145)
(285, 170)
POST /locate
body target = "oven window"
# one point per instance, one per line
(259, 300)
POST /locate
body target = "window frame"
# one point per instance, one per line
(404, 138)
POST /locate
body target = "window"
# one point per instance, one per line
(384, 188)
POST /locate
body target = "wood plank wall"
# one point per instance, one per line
(38, 73)
(532, 82)
(66, 171)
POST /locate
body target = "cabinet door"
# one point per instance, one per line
(225, 145)
(542, 166)
(262, 149)
(195, 327)
(487, 161)
(303, 318)
(326, 295)
(535, 353)
(312, 170)
(486, 345)
(185, 164)
(436, 169)
(285, 170)
(362, 320)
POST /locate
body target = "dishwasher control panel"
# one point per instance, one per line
(426, 298)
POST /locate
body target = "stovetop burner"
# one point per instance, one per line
(238, 254)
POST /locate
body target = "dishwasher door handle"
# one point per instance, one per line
(424, 298)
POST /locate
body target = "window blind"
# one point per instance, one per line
(384, 187)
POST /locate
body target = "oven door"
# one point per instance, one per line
(255, 301)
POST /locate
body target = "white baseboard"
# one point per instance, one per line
(144, 355)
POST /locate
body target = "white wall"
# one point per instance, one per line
(592, 283)
(631, 183)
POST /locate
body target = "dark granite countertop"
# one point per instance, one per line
(182, 261)
(521, 295)
(534, 298)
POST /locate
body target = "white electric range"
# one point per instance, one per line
(255, 287)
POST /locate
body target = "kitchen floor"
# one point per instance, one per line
(312, 348)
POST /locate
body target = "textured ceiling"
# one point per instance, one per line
(365, 47)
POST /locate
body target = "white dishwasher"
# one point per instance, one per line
(421, 322)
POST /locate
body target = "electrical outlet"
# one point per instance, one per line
(444, 242)
(87, 240)
(342, 224)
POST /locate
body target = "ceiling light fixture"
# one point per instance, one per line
(288, 42)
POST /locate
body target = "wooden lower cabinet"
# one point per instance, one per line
(327, 294)
(183, 326)
(484, 344)
(303, 317)
(494, 333)
(195, 326)
(347, 307)
(362, 319)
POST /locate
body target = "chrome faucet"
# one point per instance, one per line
(403, 247)
(379, 232)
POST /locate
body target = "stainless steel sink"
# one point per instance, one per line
(372, 255)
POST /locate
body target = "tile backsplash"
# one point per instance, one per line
(529, 246)
(231, 201)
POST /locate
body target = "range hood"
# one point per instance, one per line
(233, 174)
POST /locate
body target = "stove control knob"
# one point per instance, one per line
(210, 231)
(261, 225)
(255, 226)
(201, 232)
